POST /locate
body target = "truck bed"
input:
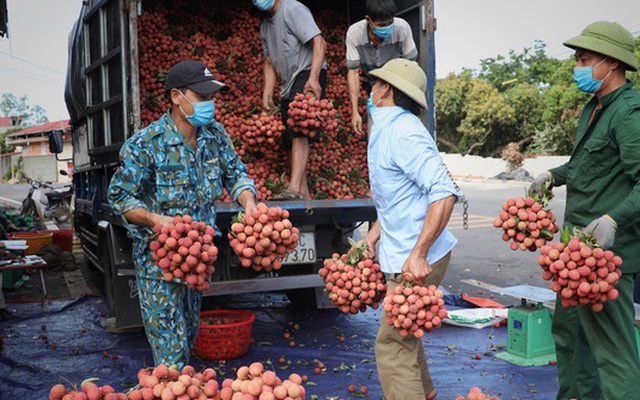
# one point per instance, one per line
(310, 212)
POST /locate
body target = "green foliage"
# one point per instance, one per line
(563, 75)
(532, 66)
(451, 99)
(4, 148)
(7, 175)
(15, 171)
(552, 140)
(11, 105)
(527, 103)
(488, 119)
(526, 98)
(635, 76)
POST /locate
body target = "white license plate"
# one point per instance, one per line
(305, 251)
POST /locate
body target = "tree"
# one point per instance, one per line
(532, 66)
(474, 117)
(488, 120)
(11, 105)
(38, 115)
(526, 98)
(450, 98)
(635, 76)
(528, 105)
(4, 148)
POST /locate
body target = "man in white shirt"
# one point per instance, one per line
(371, 42)
(414, 196)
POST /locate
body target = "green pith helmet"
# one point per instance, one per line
(608, 38)
(406, 76)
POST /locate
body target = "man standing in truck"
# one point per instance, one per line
(294, 50)
(178, 165)
(378, 38)
(597, 351)
(414, 197)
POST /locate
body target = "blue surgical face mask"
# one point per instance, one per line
(264, 5)
(583, 77)
(370, 104)
(382, 32)
(203, 112)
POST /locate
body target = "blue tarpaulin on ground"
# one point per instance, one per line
(30, 366)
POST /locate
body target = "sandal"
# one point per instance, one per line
(287, 195)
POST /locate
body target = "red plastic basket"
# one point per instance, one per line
(229, 336)
(64, 239)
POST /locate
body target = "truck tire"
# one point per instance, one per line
(302, 298)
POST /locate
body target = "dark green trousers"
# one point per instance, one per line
(597, 351)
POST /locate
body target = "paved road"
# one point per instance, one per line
(11, 195)
(481, 254)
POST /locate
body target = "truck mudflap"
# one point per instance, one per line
(121, 289)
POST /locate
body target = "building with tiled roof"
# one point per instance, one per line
(7, 123)
(38, 162)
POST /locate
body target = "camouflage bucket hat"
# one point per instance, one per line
(610, 39)
(406, 76)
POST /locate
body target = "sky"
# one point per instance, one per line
(34, 58)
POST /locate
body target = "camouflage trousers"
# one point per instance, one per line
(171, 319)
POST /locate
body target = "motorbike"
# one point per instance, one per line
(46, 202)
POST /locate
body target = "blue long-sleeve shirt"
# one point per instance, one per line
(406, 174)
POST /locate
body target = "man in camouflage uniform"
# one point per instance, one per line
(178, 165)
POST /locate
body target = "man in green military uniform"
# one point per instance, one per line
(596, 351)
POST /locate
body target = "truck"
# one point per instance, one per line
(103, 96)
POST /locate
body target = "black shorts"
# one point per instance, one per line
(298, 87)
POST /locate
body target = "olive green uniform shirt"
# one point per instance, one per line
(603, 173)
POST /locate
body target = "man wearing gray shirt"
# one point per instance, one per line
(378, 38)
(294, 50)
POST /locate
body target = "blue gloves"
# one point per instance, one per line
(603, 230)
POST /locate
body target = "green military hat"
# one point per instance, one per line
(406, 76)
(608, 38)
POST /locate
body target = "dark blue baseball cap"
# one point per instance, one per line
(193, 75)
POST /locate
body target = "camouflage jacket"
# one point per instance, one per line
(163, 174)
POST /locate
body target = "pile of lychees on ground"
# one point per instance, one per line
(170, 383)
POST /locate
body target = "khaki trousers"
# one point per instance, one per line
(402, 365)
